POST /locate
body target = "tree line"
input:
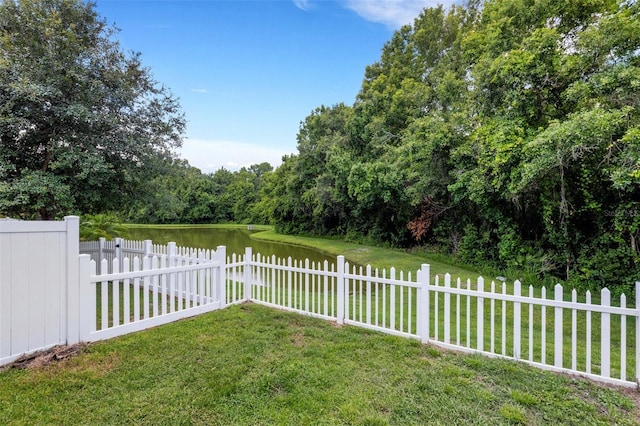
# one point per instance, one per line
(502, 132)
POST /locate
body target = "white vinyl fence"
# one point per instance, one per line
(154, 290)
(119, 248)
(587, 335)
(39, 287)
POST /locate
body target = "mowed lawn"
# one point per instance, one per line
(252, 365)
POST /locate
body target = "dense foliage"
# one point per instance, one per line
(183, 194)
(505, 133)
(82, 125)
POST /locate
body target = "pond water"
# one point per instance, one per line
(234, 239)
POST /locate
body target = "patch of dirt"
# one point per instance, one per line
(298, 340)
(44, 358)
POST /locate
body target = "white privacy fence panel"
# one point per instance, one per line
(155, 290)
(38, 285)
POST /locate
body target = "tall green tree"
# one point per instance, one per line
(83, 125)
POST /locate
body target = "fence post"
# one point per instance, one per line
(558, 331)
(247, 273)
(118, 245)
(638, 333)
(101, 241)
(341, 300)
(171, 249)
(147, 247)
(422, 320)
(73, 279)
(221, 254)
(87, 298)
(517, 291)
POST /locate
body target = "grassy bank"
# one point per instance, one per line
(203, 226)
(249, 365)
(377, 257)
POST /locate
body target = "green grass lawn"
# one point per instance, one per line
(250, 364)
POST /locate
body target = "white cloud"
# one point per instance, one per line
(199, 90)
(302, 4)
(394, 13)
(210, 156)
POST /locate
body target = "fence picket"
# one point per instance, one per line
(126, 294)
(637, 357)
(136, 290)
(480, 322)
(306, 286)
(468, 313)
(574, 331)
(543, 325)
(517, 326)
(401, 290)
(504, 320)
(492, 317)
(104, 297)
(384, 299)
(392, 301)
(436, 308)
(588, 332)
(368, 290)
(146, 288)
(116, 294)
(531, 297)
(605, 335)
(623, 340)
(447, 309)
(557, 329)
(164, 294)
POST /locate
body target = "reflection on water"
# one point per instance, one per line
(234, 239)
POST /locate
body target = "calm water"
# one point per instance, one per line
(234, 239)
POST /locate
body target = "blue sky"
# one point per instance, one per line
(248, 72)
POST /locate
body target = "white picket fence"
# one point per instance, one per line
(587, 336)
(119, 248)
(558, 333)
(148, 291)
